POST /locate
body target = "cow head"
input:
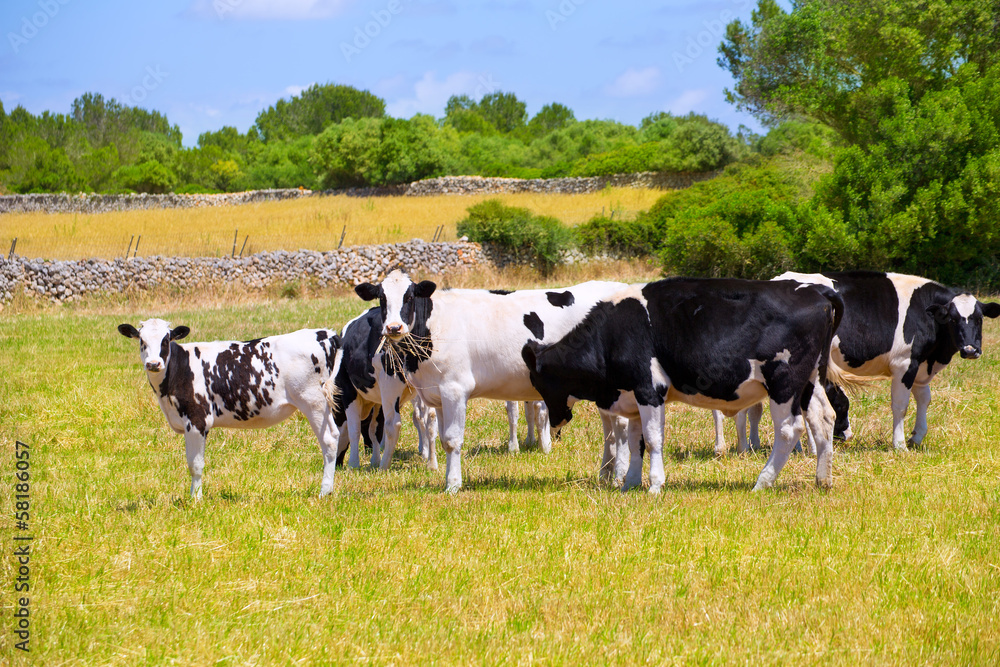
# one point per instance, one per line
(154, 342)
(397, 296)
(546, 379)
(962, 318)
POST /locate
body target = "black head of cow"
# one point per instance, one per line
(154, 341)
(962, 319)
(546, 379)
(397, 297)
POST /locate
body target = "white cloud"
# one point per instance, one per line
(687, 101)
(635, 82)
(430, 95)
(295, 90)
(294, 10)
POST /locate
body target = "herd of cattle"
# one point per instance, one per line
(724, 345)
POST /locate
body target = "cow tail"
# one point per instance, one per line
(331, 391)
(829, 370)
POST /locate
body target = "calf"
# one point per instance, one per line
(721, 344)
(367, 383)
(239, 385)
(901, 327)
(459, 344)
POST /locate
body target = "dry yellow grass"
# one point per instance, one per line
(313, 223)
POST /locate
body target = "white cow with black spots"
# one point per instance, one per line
(230, 384)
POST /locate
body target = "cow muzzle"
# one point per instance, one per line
(154, 366)
(394, 330)
(970, 352)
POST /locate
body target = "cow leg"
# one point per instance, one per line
(754, 415)
(432, 434)
(633, 462)
(820, 417)
(343, 444)
(922, 398)
(452, 434)
(421, 428)
(194, 446)
(900, 395)
(512, 445)
(394, 393)
(788, 429)
(720, 436)
(543, 426)
(741, 431)
(652, 417)
(609, 423)
(530, 420)
(321, 420)
(373, 437)
(354, 433)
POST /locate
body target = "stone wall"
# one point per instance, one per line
(460, 185)
(70, 280)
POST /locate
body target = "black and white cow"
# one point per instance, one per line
(229, 384)
(902, 327)
(720, 344)
(366, 385)
(460, 344)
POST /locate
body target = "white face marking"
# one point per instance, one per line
(151, 332)
(394, 287)
(965, 304)
(784, 355)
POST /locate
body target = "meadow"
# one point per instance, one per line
(534, 561)
(315, 223)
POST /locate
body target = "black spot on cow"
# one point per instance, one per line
(502, 292)
(871, 305)
(560, 299)
(178, 382)
(535, 325)
(321, 335)
(197, 353)
(238, 383)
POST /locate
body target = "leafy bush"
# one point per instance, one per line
(517, 230)
(624, 160)
(620, 238)
(149, 177)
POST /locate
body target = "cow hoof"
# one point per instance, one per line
(629, 484)
(654, 490)
(825, 484)
(760, 486)
(452, 489)
(900, 447)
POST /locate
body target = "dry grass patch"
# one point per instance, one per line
(313, 223)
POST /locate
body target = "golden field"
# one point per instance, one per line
(313, 223)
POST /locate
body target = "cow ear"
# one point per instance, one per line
(528, 354)
(179, 332)
(424, 289)
(991, 310)
(128, 331)
(939, 313)
(366, 291)
(337, 341)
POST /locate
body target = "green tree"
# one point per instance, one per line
(317, 107)
(549, 118)
(503, 111)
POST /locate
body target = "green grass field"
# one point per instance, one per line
(534, 561)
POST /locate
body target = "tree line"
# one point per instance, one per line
(335, 136)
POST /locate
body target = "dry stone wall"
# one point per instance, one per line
(71, 280)
(447, 185)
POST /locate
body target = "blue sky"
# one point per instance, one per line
(209, 63)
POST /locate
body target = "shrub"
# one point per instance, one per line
(517, 230)
(621, 238)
